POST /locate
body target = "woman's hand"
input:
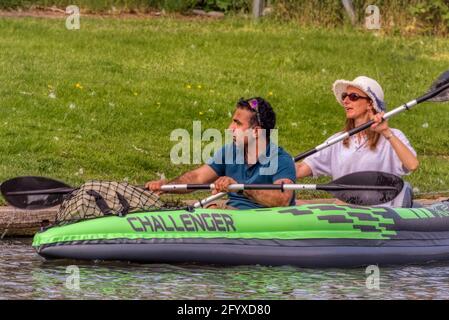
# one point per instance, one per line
(380, 125)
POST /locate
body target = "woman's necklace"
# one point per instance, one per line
(359, 137)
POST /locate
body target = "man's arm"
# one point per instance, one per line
(271, 198)
(302, 170)
(203, 174)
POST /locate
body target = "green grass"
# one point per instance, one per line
(133, 77)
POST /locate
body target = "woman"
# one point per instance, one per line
(379, 148)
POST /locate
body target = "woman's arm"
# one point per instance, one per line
(407, 157)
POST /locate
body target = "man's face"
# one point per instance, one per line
(241, 122)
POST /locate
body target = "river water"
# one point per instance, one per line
(24, 275)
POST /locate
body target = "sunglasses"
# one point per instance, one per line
(253, 104)
(353, 96)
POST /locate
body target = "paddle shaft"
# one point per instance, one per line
(44, 191)
(281, 187)
(233, 187)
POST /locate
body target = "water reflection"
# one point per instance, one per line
(23, 275)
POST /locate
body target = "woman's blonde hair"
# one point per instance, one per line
(372, 136)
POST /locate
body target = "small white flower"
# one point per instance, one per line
(72, 106)
(140, 150)
(416, 190)
(52, 95)
(56, 138)
(195, 103)
(324, 132)
(425, 125)
(229, 114)
(161, 175)
(294, 124)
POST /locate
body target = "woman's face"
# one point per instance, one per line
(359, 108)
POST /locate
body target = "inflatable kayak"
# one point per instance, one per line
(318, 235)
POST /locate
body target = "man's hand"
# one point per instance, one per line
(222, 184)
(271, 198)
(156, 185)
(203, 174)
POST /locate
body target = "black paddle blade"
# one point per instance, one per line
(443, 80)
(369, 197)
(32, 201)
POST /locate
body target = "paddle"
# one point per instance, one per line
(359, 188)
(438, 92)
(33, 193)
(30, 201)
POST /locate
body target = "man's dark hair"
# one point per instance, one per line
(263, 113)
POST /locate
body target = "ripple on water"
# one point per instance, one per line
(24, 275)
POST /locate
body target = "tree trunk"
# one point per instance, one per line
(349, 7)
(257, 8)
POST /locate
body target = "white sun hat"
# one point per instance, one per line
(370, 86)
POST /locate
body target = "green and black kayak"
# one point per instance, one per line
(317, 235)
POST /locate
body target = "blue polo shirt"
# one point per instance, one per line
(274, 165)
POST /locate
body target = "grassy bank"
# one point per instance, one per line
(101, 102)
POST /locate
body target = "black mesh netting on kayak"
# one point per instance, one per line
(102, 198)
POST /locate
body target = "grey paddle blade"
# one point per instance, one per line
(369, 197)
(441, 81)
(32, 201)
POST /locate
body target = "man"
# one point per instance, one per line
(251, 159)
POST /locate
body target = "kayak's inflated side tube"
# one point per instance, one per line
(318, 235)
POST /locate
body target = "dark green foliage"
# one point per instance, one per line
(433, 14)
(132, 5)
